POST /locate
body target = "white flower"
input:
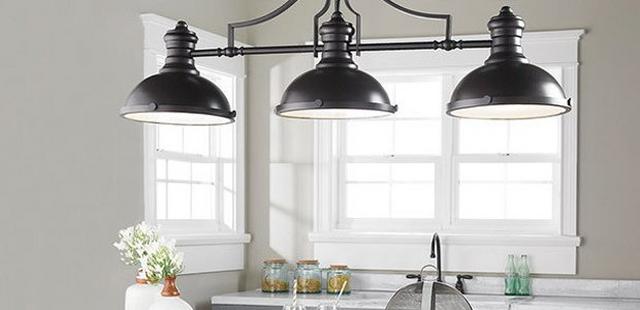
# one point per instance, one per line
(133, 242)
(162, 260)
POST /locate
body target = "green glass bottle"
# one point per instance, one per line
(510, 277)
(524, 276)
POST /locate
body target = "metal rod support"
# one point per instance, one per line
(258, 20)
(316, 18)
(446, 17)
(365, 47)
(358, 25)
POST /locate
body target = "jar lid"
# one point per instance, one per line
(275, 261)
(308, 262)
(339, 266)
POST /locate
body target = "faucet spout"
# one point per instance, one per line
(435, 253)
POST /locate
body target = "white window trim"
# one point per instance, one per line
(464, 252)
(204, 252)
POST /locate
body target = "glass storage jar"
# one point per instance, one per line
(308, 277)
(275, 276)
(336, 276)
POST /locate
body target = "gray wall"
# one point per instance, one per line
(609, 204)
(70, 167)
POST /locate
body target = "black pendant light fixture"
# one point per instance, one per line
(506, 87)
(335, 89)
(178, 94)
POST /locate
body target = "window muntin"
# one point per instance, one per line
(466, 173)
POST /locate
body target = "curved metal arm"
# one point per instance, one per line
(414, 13)
(358, 25)
(316, 19)
(258, 20)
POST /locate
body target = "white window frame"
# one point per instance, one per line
(470, 248)
(208, 247)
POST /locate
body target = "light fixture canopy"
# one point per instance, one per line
(178, 94)
(335, 89)
(507, 86)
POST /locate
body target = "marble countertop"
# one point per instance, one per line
(378, 300)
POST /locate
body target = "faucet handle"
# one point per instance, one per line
(414, 276)
(460, 283)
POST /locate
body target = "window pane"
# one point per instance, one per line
(161, 169)
(229, 176)
(506, 172)
(530, 172)
(481, 201)
(369, 137)
(203, 172)
(412, 200)
(178, 201)
(499, 136)
(367, 200)
(367, 172)
(161, 200)
(419, 99)
(229, 209)
(506, 190)
(529, 201)
(169, 138)
(196, 140)
(482, 171)
(534, 136)
(482, 136)
(413, 172)
(417, 137)
(203, 201)
(226, 145)
(179, 170)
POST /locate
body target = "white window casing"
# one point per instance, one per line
(216, 244)
(469, 245)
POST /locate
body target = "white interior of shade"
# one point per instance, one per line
(509, 111)
(177, 118)
(335, 113)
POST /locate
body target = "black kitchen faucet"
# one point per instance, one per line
(435, 253)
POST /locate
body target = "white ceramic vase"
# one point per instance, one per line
(170, 303)
(170, 298)
(141, 295)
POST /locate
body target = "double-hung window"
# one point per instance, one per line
(387, 167)
(194, 172)
(496, 185)
(194, 187)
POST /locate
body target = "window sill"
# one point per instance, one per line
(209, 239)
(211, 253)
(461, 252)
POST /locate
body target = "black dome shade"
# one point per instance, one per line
(178, 94)
(335, 93)
(507, 86)
(508, 90)
(178, 98)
